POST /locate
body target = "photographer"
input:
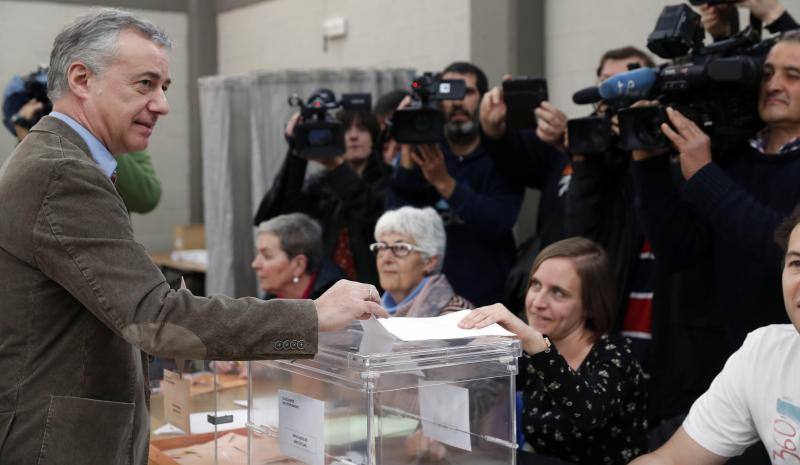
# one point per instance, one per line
(479, 205)
(727, 208)
(346, 198)
(663, 313)
(535, 159)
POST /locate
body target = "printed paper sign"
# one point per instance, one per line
(301, 421)
(177, 395)
(445, 414)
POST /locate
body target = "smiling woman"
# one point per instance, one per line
(578, 381)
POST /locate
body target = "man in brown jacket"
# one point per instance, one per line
(80, 301)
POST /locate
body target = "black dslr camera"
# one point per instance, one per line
(319, 134)
(423, 121)
(716, 86)
(22, 90)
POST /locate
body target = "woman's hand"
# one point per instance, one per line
(532, 341)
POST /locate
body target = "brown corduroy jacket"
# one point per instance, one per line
(81, 303)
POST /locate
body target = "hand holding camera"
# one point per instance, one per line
(551, 125)
(493, 112)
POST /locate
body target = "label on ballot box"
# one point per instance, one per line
(445, 414)
(302, 427)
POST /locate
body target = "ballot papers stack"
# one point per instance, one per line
(389, 392)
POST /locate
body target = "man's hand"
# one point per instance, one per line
(430, 159)
(551, 125)
(346, 301)
(765, 10)
(493, 112)
(532, 341)
(693, 145)
(715, 20)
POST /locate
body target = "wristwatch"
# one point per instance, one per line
(21, 121)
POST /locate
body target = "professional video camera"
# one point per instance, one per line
(319, 134)
(20, 91)
(716, 86)
(423, 122)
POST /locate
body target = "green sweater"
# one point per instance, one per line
(137, 182)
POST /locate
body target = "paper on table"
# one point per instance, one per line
(432, 328)
(199, 423)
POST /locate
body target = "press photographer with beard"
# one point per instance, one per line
(459, 179)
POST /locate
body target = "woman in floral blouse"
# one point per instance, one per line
(583, 389)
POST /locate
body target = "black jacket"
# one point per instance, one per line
(688, 346)
(337, 198)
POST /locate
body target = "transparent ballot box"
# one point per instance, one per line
(412, 402)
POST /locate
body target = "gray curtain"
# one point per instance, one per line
(242, 120)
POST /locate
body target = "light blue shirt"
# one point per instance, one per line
(99, 152)
(391, 306)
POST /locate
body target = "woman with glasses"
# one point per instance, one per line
(583, 390)
(409, 252)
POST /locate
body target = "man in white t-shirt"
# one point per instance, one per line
(757, 394)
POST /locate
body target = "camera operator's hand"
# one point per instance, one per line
(27, 112)
(715, 20)
(293, 121)
(430, 159)
(330, 164)
(693, 145)
(493, 112)
(551, 125)
(765, 10)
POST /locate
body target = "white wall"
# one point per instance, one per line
(27, 28)
(281, 34)
(577, 32)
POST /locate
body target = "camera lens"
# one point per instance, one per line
(422, 123)
(320, 137)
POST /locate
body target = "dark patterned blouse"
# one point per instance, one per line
(595, 415)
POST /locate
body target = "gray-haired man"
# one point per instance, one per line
(80, 298)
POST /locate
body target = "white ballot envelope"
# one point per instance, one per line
(424, 329)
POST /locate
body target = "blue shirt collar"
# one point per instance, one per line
(99, 152)
(391, 306)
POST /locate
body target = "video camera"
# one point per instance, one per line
(423, 122)
(20, 91)
(319, 134)
(716, 86)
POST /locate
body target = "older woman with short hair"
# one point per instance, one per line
(409, 252)
(289, 260)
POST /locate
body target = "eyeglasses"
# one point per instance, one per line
(399, 249)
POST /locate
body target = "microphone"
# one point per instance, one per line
(587, 95)
(635, 83)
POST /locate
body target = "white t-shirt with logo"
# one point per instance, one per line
(757, 395)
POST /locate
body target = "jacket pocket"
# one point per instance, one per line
(5, 427)
(87, 431)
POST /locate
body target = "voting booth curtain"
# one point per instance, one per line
(242, 121)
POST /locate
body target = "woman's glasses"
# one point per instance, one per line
(399, 249)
